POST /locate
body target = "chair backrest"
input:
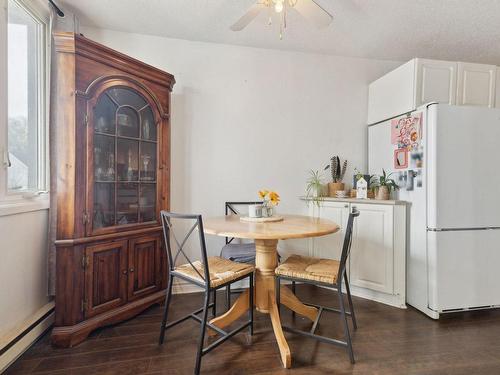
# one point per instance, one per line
(187, 224)
(231, 208)
(346, 247)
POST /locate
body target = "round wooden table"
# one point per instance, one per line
(266, 236)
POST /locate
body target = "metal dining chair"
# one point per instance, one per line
(237, 252)
(323, 272)
(211, 274)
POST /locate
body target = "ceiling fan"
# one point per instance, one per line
(309, 9)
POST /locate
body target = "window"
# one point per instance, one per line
(24, 136)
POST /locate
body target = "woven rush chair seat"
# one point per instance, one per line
(308, 268)
(222, 270)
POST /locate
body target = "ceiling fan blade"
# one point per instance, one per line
(248, 17)
(314, 13)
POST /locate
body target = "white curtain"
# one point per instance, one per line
(67, 23)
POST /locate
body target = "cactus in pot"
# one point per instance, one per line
(337, 170)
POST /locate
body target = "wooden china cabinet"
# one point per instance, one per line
(111, 115)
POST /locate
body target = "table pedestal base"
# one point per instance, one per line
(266, 261)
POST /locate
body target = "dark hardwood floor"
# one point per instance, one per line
(388, 341)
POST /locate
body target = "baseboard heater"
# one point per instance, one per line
(15, 343)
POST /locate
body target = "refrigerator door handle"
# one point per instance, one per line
(459, 229)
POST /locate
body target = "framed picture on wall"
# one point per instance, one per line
(401, 158)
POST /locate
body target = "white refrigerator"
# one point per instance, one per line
(452, 184)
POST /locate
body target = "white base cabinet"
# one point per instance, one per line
(377, 263)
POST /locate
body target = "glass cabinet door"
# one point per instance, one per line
(125, 159)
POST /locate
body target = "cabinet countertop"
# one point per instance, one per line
(355, 200)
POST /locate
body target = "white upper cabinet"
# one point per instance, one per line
(422, 81)
(392, 93)
(476, 84)
(436, 81)
(497, 96)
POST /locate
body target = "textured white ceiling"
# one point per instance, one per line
(467, 30)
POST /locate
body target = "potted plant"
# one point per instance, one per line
(338, 171)
(368, 178)
(357, 175)
(384, 186)
(314, 187)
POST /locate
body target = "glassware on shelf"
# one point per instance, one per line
(145, 128)
(127, 201)
(148, 162)
(110, 174)
(123, 220)
(99, 220)
(97, 162)
(127, 119)
(130, 171)
(104, 205)
(147, 202)
(124, 120)
(101, 125)
(145, 161)
(148, 124)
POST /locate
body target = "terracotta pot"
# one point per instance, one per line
(334, 187)
(383, 193)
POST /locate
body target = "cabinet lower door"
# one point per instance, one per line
(106, 277)
(145, 266)
(330, 246)
(372, 258)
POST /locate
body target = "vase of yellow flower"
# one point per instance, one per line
(270, 199)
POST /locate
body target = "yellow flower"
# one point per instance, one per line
(274, 198)
(263, 193)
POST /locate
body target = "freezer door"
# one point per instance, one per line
(380, 148)
(463, 269)
(462, 166)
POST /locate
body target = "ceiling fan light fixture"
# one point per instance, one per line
(279, 5)
(309, 9)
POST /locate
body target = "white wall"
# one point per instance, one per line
(244, 119)
(23, 267)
